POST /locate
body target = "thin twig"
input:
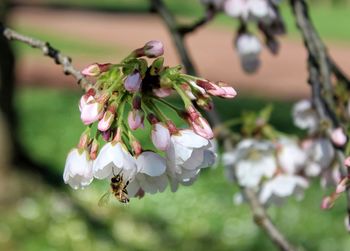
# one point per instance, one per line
(320, 67)
(49, 51)
(260, 215)
(186, 29)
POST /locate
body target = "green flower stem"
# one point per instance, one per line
(183, 95)
(158, 112)
(176, 109)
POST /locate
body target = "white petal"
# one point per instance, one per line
(190, 139)
(151, 164)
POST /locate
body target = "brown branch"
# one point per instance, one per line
(49, 51)
(321, 67)
(260, 215)
(186, 29)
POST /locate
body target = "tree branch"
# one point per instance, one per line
(260, 215)
(49, 51)
(321, 67)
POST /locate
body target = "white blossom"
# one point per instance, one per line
(305, 116)
(187, 154)
(282, 186)
(291, 157)
(112, 160)
(78, 169)
(251, 161)
(320, 154)
(248, 9)
(150, 175)
(248, 47)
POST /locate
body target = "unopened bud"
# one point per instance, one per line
(162, 92)
(136, 103)
(105, 123)
(172, 127)
(133, 82)
(136, 146)
(94, 149)
(135, 119)
(153, 49)
(94, 70)
(84, 139)
(341, 187)
(338, 137)
(152, 118)
(106, 135)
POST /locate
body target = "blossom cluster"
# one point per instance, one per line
(326, 141)
(277, 166)
(265, 14)
(273, 169)
(129, 97)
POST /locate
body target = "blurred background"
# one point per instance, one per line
(39, 212)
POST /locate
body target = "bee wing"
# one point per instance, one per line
(104, 200)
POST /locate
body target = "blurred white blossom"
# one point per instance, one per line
(282, 186)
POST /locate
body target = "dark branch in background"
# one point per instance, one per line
(49, 51)
(260, 215)
(321, 67)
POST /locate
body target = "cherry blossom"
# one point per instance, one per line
(277, 189)
(78, 169)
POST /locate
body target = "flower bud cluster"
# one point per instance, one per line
(128, 96)
(265, 14)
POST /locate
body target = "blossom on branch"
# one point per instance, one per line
(115, 107)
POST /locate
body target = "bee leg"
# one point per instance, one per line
(126, 184)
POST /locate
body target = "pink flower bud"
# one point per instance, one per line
(136, 146)
(84, 99)
(162, 92)
(106, 135)
(136, 103)
(105, 123)
(338, 137)
(92, 111)
(341, 187)
(152, 118)
(172, 127)
(229, 92)
(187, 89)
(94, 149)
(327, 203)
(347, 162)
(192, 113)
(84, 139)
(160, 136)
(132, 83)
(211, 88)
(135, 119)
(117, 135)
(153, 49)
(94, 70)
(202, 128)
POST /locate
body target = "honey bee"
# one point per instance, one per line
(118, 189)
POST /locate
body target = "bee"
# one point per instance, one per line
(118, 189)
